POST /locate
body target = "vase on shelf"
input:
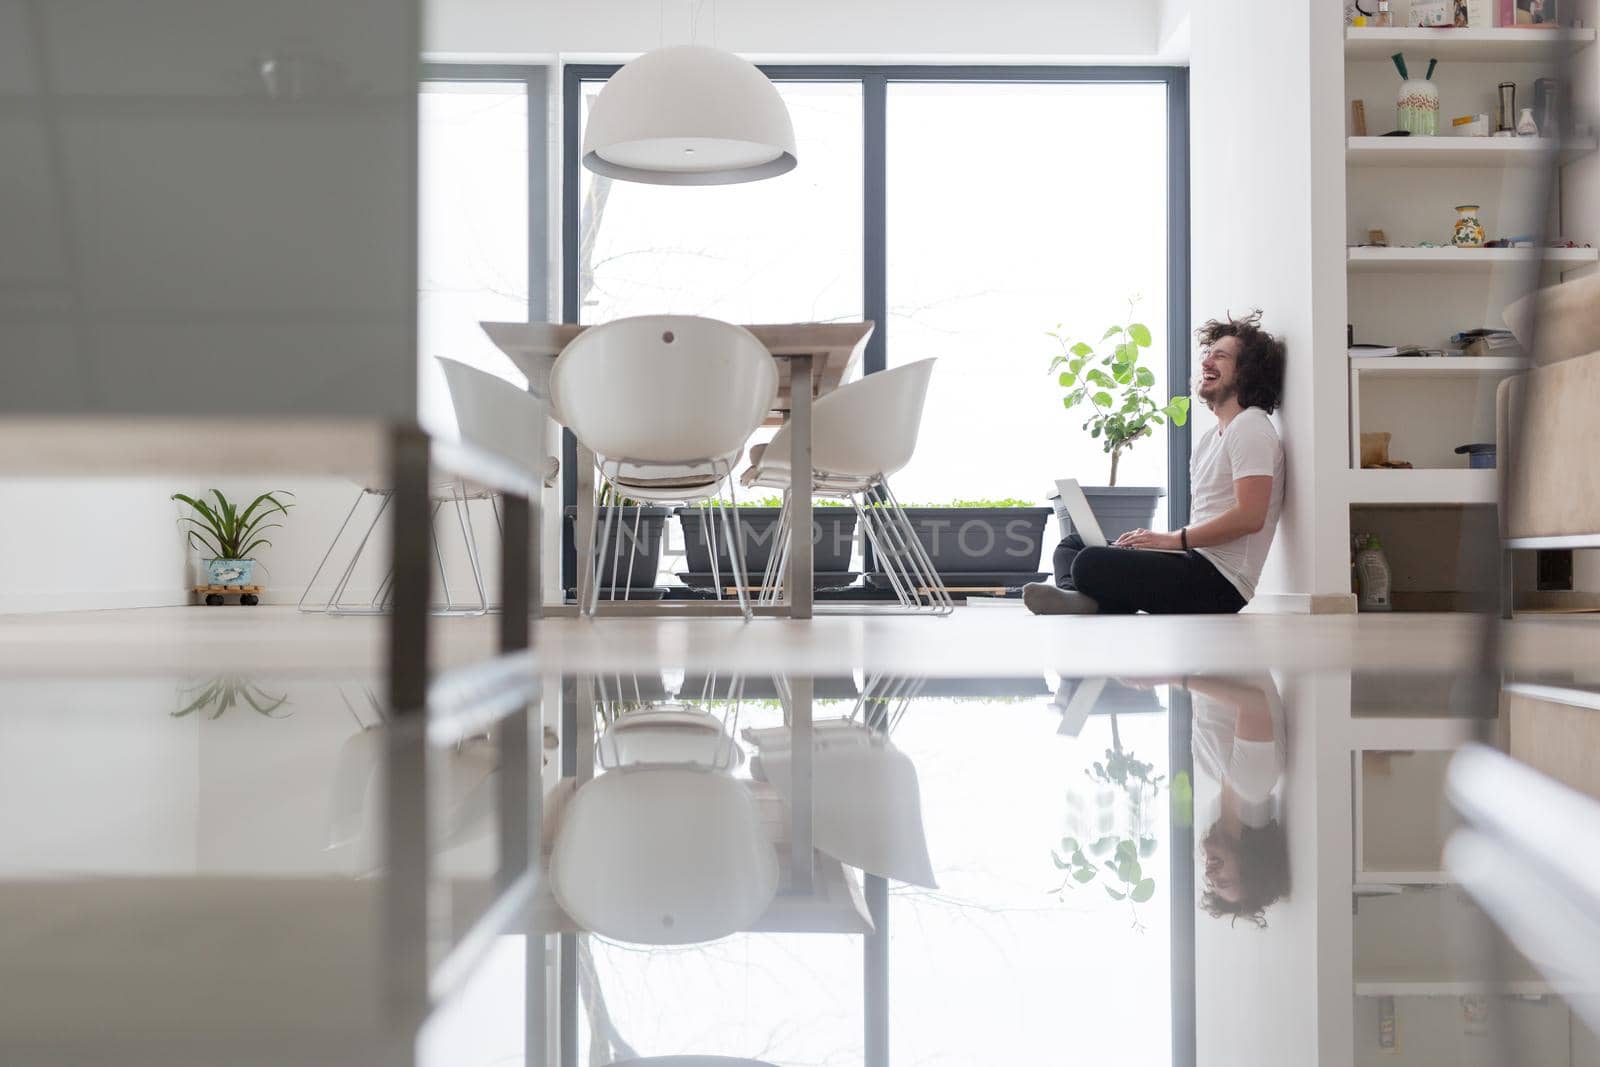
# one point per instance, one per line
(1526, 126)
(1468, 231)
(1417, 107)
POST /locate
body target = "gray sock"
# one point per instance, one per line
(1046, 598)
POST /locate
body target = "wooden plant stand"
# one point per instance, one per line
(249, 595)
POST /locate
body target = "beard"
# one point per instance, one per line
(1214, 393)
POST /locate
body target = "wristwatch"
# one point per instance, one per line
(1183, 536)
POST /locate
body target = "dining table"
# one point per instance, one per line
(813, 359)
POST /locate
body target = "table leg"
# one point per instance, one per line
(587, 515)
(800, 568)
(801, 848)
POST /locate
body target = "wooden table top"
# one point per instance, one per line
(835, 349)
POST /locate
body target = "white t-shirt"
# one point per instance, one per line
(1249, 447)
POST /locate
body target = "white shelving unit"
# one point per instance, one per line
(1420, 295)
(1406, 260)
(1421, 943)
(1423, 487)
(1490, 44)
(1435, 366)
(1447, 151)
(1432, 986)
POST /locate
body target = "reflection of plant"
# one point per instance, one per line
(1118, 852)
(220, 694)
(1124, 864)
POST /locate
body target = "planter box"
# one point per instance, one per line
(832, 540)
(982, 540)
(1118, 508)
(644, 553)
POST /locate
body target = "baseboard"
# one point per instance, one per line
(1302, 604)
(92, 600)
(1558, 601)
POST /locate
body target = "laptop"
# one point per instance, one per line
(1083, 520)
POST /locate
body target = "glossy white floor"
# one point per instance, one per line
(990, 639)
(198, 885)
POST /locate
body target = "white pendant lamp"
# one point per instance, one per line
(689, 115)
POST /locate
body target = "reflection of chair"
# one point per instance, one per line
(861, 434)
(666, 847)
(691, 1061)
(663, 856)
(675, 734)
(866, 801)
(666, 403)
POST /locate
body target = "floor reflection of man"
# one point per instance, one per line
(1239, 744)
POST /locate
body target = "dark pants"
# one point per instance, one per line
(1126, 580)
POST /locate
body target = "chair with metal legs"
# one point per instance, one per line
(453, 493)
(666, 403)
(492, 414)
(862, 433)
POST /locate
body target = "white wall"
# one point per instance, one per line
(1267, 166)
(89, 543)
(850, 30)
(97, 543)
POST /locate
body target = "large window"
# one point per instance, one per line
(967, 211)
(473, 232)
(1015, 209)
(783, 250)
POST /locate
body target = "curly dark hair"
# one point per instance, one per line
(1263, 858)
(1258, 369)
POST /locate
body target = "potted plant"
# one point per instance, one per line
(833, 528)
(230, 534)
(1116, 386)
(980, 542)
(633, 555)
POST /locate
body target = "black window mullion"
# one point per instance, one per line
(571, 150)
(874, 214)
(1178, 439)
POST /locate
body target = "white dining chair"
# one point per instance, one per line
(862, 433)
(491, 414)
(667, 404)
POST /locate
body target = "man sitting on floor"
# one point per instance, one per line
(1236, 481)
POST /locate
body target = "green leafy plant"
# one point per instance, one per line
(221, 694)
(1116, 386)
(610, 496)
(229, 532)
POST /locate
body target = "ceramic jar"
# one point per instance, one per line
(1469, 228)
(1417, 107)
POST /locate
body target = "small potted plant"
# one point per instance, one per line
(1116, 386)
(230, 534)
